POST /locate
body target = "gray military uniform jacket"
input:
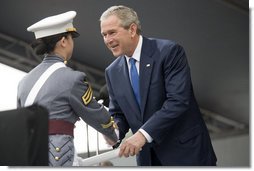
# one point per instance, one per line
(67, 96)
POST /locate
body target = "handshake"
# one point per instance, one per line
(129, 147)
(132, 145)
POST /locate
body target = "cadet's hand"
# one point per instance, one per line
(132, 145)
(109, 141)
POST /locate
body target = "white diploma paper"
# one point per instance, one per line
(92, 161)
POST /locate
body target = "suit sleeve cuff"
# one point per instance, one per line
(149, 139)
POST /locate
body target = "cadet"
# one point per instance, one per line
(65, 93)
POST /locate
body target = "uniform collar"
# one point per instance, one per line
(52, 58)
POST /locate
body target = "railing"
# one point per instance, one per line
(95, 153)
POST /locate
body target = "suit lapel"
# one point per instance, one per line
(126, 86)
(146, 67)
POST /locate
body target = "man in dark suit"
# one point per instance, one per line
(151, 93)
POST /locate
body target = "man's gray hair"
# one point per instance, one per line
(125, 14)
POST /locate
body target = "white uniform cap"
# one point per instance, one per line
(54, 25)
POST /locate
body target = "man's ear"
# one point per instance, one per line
(133, 29)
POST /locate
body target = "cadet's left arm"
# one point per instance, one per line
(93, 113)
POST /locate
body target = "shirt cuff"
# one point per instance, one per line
(146, 135)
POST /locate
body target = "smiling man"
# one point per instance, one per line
(151, 93)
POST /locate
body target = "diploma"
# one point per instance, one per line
(91, 161)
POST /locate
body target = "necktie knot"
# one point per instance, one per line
(132, 61)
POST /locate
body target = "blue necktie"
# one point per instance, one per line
(134, 79)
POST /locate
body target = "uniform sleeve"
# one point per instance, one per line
(86, 107)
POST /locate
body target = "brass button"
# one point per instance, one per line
(56, 158)
(57, 149)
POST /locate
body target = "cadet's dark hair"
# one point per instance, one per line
(47, 44)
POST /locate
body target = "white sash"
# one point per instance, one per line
(39, 83)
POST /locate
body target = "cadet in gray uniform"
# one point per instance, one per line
(65, 93)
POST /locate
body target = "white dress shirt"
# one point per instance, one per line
(136, 55)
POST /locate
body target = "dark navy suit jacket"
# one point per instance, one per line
(168, 113)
